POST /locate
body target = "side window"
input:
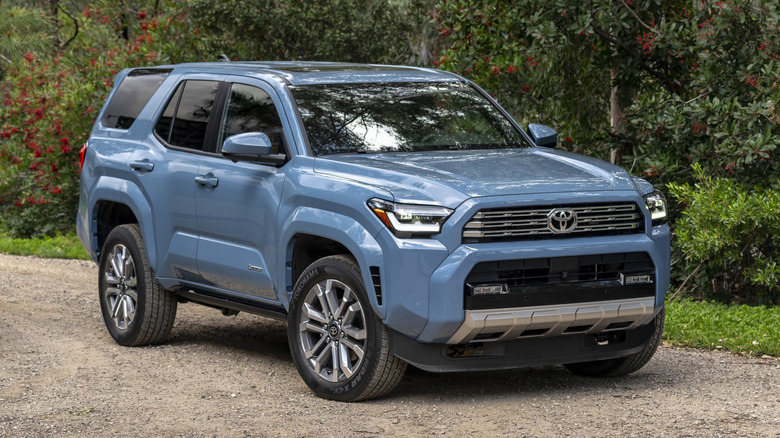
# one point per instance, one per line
(131, 97)
(185, 118)
(250, 109)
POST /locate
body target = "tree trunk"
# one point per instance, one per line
(620, 98)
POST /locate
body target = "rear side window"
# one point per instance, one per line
(131, 97)
(185, 118)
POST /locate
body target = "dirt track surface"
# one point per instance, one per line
(61, 374)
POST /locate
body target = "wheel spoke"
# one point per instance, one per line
(331, 298)
(117, 302)
(344, 302)
(352, 311)
(308, 326)
(355, 333)
(344, 358)
(321, 359)
(357, 349)
(316, 349)
(334, 354)
(312, 313)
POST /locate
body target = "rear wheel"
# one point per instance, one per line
(341, 349)
(136, 309)
(623, 365)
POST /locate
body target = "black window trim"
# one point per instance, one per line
(216, 118)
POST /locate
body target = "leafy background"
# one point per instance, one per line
(683, 93)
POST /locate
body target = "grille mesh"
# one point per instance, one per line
(529, 223)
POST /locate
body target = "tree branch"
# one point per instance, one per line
(75, 23)
(637, 17)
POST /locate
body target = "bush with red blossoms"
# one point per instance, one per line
(50, 103)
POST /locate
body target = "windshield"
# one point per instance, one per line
(401, 117)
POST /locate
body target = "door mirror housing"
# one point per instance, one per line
(543, 135)
(250, 146)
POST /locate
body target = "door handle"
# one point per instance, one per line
(142, 165)
(207, 180)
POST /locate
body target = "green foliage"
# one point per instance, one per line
(738, 328)
(22, 31)
(49, 107)
(696, 80)
(727, 235)
(325, 30)
(58, 247)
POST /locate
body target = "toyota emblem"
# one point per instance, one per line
(561, 220)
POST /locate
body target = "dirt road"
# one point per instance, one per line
(61, 374)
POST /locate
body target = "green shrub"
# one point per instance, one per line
(727, 240)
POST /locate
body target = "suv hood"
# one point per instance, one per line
(450, 177)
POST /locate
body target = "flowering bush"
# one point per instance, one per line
(49, 106)
(690, 81)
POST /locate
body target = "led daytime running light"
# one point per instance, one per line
(406, 219)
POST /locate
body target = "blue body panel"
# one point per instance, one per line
(237, 237)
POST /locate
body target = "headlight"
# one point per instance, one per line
(406, 220)
(656, 203)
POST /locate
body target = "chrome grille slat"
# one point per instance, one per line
(531, 223)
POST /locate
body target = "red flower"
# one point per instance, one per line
(65, 149)
(28, 56)
(142, 15)
(56, 191)
(17, 203)
(64, 141)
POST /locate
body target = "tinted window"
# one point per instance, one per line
(131, 97)
(250, 109)
(401, 117)
(185, 118)
(163, 127)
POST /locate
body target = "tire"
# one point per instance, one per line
(622, 366)
(136, 309)
(338, 344)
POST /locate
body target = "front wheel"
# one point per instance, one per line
(137, 310)
(341, 349)
(622, 366)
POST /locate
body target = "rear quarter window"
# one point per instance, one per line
(131, 97)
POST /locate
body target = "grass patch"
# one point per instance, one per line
(738, 328)
(59, 247)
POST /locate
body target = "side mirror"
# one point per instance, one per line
(542, 135)
(250, 146)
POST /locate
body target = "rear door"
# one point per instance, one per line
(237, 202)
(166, 168)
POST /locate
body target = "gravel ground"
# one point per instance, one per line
(62, 374)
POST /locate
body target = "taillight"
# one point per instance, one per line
(82, 152)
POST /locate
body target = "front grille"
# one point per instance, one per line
(561, 280)
(529, 223)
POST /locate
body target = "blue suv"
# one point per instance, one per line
(391, 215)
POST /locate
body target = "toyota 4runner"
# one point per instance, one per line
(389, 215)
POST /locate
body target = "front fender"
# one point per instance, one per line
(339, 228)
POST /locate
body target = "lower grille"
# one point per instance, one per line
(559, 280)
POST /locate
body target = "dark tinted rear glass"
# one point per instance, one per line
(131, 97)
(192, 114)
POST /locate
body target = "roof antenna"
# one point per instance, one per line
(223, 58)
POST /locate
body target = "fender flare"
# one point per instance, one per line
(337, 227)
